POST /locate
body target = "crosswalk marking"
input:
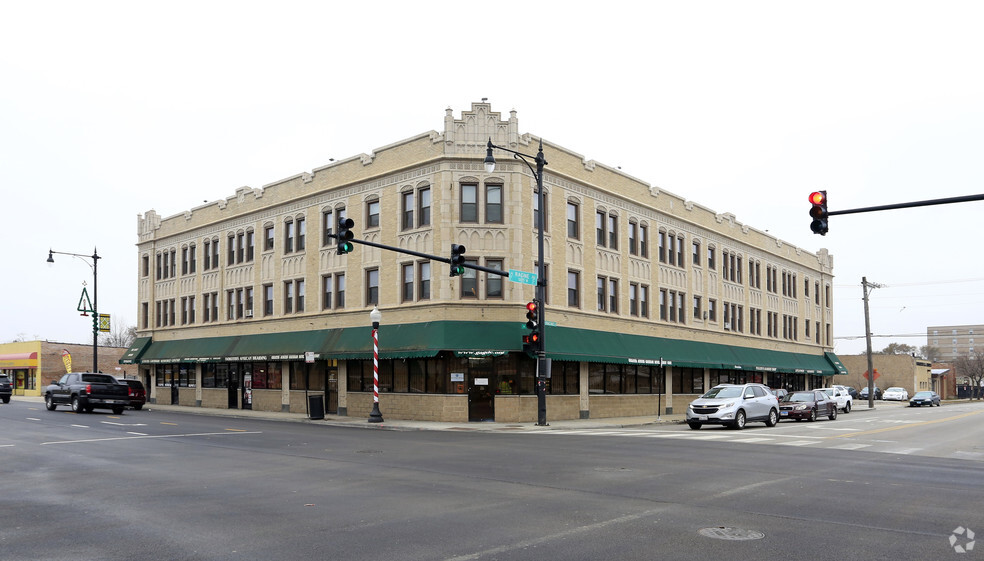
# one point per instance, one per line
(850, 446)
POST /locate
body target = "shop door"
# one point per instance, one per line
(247, 390)
(174, 392)
(331, 392)
(481, 400)
(233, 384)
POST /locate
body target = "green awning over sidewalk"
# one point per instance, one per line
(484, 339)
(137, 348)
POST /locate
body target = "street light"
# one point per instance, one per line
(95, 314)
(541, 273)
(374, 316)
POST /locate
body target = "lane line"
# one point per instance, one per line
(149, 436)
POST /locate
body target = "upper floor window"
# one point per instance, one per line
(695, 253)
(612, 231)
(267, 239)
(633, 243)
(249, 249)
(424, 207)
(372, 286)
(600, 237)
(643, 240)
(301, 233)
(469, 202)
(372, 214)
(289, 236)
(573, 221)
(493, 282)
(573, 289)
(493, 204)
(407, 210)
(710, 259)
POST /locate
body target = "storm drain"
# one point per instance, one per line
(725, 533)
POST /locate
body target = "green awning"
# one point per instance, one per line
(137, 348)
(836, 363)
(465, 338)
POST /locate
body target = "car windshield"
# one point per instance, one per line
(894, 389)
(829, 391)
(923, 394)
(799, 396)
(724, 391)
(99, 378)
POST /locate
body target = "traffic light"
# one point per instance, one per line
(818, 210)
(531, 341)
(457, 259)
(345, 235)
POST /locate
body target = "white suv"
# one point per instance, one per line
(841, 396)
(734, 405)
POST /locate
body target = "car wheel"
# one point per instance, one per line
(773, 418)
(833, 414)
(6, 399)
(49, 403)
(77, 405)
(138, 406)
(695, 426)
(118, 410)
(847, 408)
(813, 415)
(739, 422)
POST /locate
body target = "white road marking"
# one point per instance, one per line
(137, 433)
(80, 426)
(149, 436)
(33, 419)
(850, 446)
(124, 424)
(797, 442)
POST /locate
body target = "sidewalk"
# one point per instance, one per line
(397, 424)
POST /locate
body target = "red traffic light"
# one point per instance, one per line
(818, 198)
(531, 306)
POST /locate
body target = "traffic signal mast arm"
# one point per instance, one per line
(429, 256)
(930, 202)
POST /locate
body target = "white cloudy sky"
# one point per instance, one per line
(110, 109)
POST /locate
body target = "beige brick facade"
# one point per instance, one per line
(780, 293)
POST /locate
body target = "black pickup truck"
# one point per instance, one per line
(85, 391)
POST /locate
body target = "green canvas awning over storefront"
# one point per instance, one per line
(485, 339)
(136, 349)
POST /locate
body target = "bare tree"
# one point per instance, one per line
(120, 335)
(972, 366)
(929, 352)
(897, 349)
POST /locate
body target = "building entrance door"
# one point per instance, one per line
(233, 389)
(481, 400)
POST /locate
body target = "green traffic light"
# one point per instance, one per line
(345, 247)
(457, 270)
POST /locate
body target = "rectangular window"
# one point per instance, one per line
(493, 282)
(643, 241)
(663, 312)
(249, 302)
(613, 296)
(208, 258)
(601, 293)
(301, 234)
(267, 299)
(372, 214)
(573, 227)
(174, 263)
(671, 252)
(469, 281)
(644, 301)
(327, 227)
(241, 247)
(425, 281)
(407, 199)
(326, 291)
(600, 237)
(249, 246)
(408, 279)
(231, 251)
(230, 304)
(288, 297)
(493, 204)
(240, 303)
(340, 290)
(697, 310)
(469, 202)
(207, 312)
(661, 242)
(424, 207)
(632, 238)
(712, 309)
(267, 240)
(679, 249)
(574, 289)
(633, 299)
(289, 237)
(145, 265)
(299, 285)
(612, 232)
(695, 258)
(184, 260)
(145, 314)
(372, 286)
(184, 311)
(710, 258)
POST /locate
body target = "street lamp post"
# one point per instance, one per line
(541, 274)
(374, 316)
(95, 298)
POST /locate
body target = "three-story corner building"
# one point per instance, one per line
(650, 298)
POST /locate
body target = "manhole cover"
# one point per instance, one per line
(725, 533)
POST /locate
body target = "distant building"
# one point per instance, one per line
(245, 302)
(904, 371)
(954, 341)
(32, 365)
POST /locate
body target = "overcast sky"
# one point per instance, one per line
(111, 109)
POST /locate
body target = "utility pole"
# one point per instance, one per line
(865, 285)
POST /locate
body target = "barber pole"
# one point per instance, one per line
(375, 416)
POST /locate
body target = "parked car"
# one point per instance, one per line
(896, 393)
(929, 398)
(853, 392)
(6, 389)
(841, 396)
(808, 405)
(779, 393)
(86, 391)
(138, 395)
(864, 392)
(734, 405)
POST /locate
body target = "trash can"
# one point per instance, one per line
(316, 406)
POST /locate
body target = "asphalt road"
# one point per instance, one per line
(885, 484)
